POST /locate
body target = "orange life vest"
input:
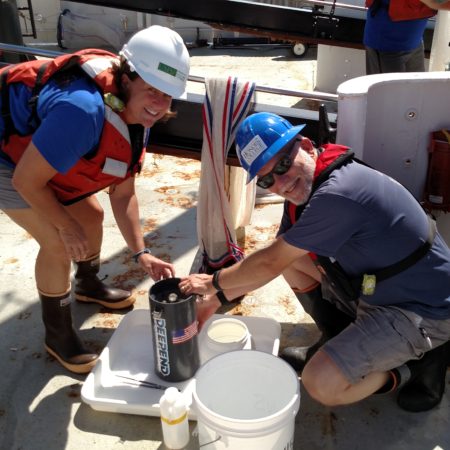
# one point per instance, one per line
(406, 9)
(86, 176)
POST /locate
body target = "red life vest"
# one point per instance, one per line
(86, 176)
(407, 10)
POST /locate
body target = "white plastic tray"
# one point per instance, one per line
(129, 353)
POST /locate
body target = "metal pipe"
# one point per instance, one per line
(335, 4)
(196, 79)
(313, 95)
(28, 51)
(270, 90)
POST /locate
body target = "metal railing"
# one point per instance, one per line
(313, 95)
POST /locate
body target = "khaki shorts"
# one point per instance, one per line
(382, 338)
(9, 197)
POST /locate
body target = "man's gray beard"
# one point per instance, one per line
(306, 196)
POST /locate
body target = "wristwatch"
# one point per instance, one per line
(141, 252)
(215, 280)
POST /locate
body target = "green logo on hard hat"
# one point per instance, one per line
(171, 71)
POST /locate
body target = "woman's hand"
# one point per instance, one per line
(75, 241)
(155, 267)
(197, 283)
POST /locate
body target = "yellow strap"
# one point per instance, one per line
(447, 135)
(174, 421)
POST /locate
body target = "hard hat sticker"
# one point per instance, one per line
(253, 149)
(171, 71)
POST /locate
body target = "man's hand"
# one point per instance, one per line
(197, 283)
(207, 305)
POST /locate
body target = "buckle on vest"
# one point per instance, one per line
(368, 285)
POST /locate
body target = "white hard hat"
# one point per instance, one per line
(160, 58)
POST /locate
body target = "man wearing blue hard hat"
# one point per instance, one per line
(362, 257)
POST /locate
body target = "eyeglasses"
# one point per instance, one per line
(280, 168)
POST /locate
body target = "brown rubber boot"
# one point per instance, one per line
(61, 340)
(90, 289)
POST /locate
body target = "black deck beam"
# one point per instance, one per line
(308, 25)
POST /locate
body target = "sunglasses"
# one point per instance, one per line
(280, 168)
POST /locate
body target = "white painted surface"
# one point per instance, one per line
(335, 65)
(387, 119)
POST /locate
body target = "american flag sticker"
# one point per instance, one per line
(180, 336)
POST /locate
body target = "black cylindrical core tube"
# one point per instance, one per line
(174, 327)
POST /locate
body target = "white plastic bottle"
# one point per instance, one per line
(174, 421)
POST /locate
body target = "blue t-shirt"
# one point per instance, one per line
(385, 35)
(368, 221)
(71, 116)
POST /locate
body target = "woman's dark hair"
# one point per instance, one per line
(124, 69)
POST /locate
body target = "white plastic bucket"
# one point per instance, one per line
(227, 334)
(246, 399)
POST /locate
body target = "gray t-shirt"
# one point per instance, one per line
(368, 221)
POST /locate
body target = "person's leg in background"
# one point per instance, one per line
(390, 62)
(373, 63)
(415, 62)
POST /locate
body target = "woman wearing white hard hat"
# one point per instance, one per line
(70, 127)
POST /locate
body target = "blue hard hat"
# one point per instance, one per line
(260, 137)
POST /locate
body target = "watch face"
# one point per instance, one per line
(136, 255)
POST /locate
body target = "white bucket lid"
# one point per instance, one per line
(246, 391)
